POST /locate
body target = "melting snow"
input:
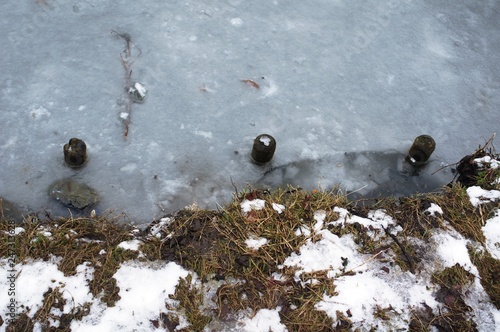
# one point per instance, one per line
(479, 195)
(130, 245)
(256, 243)
(278, 208)
(264, 321)
(256, 204)
(491, 232)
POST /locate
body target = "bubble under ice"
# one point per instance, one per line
(333, 78)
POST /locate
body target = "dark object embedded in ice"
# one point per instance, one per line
(73, 194)
(263, 148)
(75, 153)
(421, 150)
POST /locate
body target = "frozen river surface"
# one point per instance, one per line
(343, 86)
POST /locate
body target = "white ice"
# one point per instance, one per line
(334, 77)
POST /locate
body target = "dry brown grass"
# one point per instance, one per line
(212, 244)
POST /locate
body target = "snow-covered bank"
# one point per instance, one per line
(350, 262)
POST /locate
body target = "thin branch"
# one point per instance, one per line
(127, 61)
(410, 263)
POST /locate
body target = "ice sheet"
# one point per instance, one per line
(332, 77)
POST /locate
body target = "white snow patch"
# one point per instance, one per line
(478, 195)
(124, 115)
(36, 277)
(380, 218)
(143, 292)
(156, 228)
(256, 204)
(421, 294)
(319, 216)
(265, 140)
(18, 230)
(491, 232)
(360, 294)
(487, 160)
(377, 220)
(451, 248)
(329, 253)
(278, 208)
(255, 243)
(130, 245)
(264, 321)
(433, 209)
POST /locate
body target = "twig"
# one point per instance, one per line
(480, 149)
(127, 61)
(410, 263)
(235, 188)
(443, 167)
(363, 263)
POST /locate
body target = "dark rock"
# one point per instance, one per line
(73, 194)
(10, 211)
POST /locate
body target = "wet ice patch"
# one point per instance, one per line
(129, 168)
(39, 112)
(206, 134)
(269, 87)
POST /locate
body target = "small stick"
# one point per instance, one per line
(363, 263)
(126, 62)
(410, 263)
